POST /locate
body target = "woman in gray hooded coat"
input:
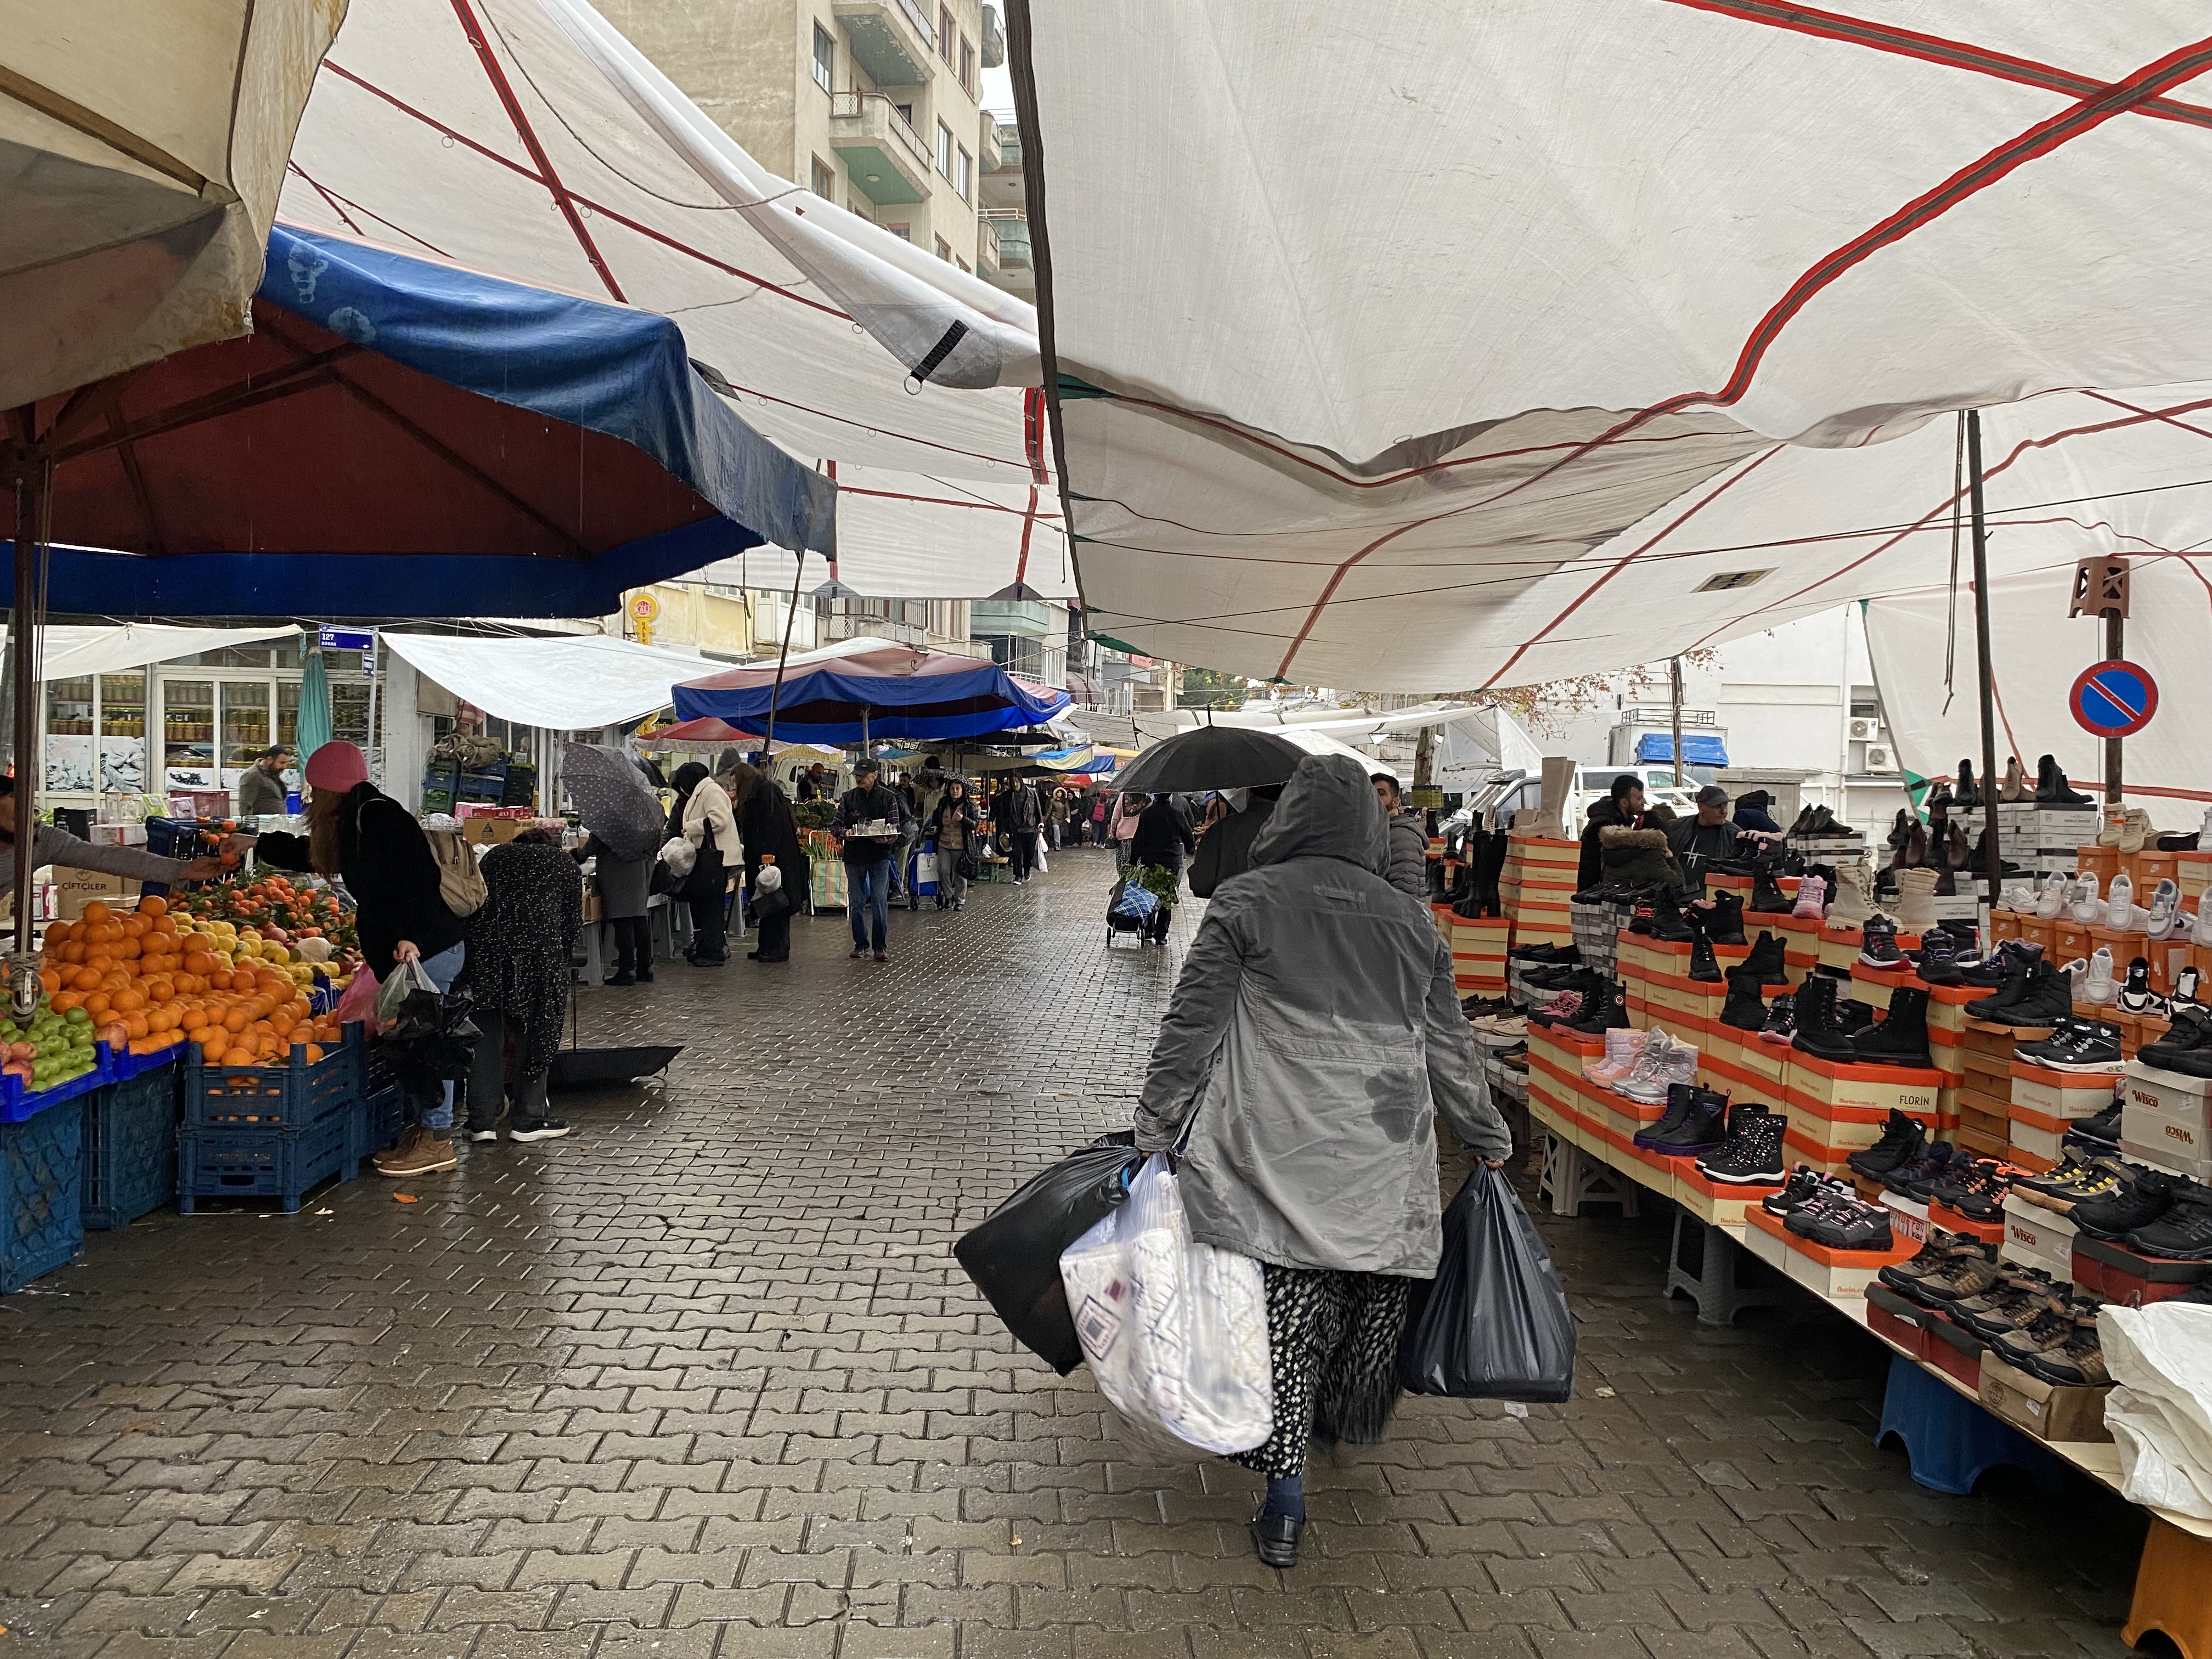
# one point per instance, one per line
(1314, 1034)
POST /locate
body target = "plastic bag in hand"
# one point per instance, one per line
(1175, 1331)
(358, 1005)
(1495, 1323)
(408, 978)
(1013, 1253)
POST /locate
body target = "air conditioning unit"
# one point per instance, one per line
(1879, 757)
(1865, 730)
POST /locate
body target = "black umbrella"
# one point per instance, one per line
(578, 1068)
(1211, 757)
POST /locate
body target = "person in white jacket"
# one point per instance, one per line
(702, 816)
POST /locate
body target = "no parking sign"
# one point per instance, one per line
(2114, 698)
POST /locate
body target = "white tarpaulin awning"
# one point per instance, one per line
(140, 158)
(528, 139)
(576, 682)
(1473, 317)
(70, 652)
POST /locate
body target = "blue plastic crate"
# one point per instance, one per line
(19, 1104)
(40, 1226)
(129, 1152)
(284, 1164)
(382, 1115)
(294, 1095)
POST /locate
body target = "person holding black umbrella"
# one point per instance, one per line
(1020, 816)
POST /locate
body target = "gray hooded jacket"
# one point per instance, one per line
(1314, 1034)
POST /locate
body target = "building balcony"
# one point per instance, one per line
(990, 153)
(1029, 619)
(884, 154)
(892, 39)
(987, 248)
(1008, 146)
(1011, 232)
(995, 38)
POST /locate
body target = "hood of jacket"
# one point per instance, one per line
(1605, 810)
(1620, 834)
(1327, 811)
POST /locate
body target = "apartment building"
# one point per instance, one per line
(1003, 201)
(871, 104)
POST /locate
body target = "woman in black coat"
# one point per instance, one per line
(769, 830)
(518, 946)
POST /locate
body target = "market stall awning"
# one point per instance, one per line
(1628, 263)
(400, 437)
(70, 651)
(1697, 749)
(869, 689)
(568, 683)
(529, 138)
(140, 157)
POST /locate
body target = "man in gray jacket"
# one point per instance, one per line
(1409, 839)
(53, 845)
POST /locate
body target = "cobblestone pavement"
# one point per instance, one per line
(703, 1380)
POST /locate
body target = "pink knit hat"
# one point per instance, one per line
(337, 766)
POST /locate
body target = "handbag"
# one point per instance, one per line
(967, 866)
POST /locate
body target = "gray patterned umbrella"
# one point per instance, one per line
(613, 799)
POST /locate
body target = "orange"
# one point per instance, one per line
(162, 1019)
(125, 1001)
(236, 1020)
(162, 990)
(199, 942)
(97, 912)
(198, 962)
(238, 1057)
(153, 905)
(135, 1024)
(128, 950)
(85, 979)
(66, 1000)
(135, 925)
(314, 1053)
(58, 932)
(96, 1005)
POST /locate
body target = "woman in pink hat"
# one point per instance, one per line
(359, 835)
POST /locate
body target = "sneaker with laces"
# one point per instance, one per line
(1917, 1178)
(1974, 1187)
(2077, 1362)
(1781, 1020)
(1845, 1223)
(1878, 944)
(2143, 1197)
(1810, 891)
(2005, 1306)
(2184, 1233)
(1901, 1140)
(2120, 902)
(2057, 890)
(2186, 1047)
(1827, 1191)
(1658, 1069)
(1994, 970)
(2103, 1128)
(2052, 1326)
(2100, 988)
(1936, 1255)
(1938, 963)
(2083, 903)
(2075, 1179)
(1562, 1010)
(2165, 914)
(1804, 1182)
(2078, 1045)
(1963, 1276)
(2136, 995)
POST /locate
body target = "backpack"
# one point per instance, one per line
(460, 883)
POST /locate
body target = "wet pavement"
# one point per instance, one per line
(703, 1380)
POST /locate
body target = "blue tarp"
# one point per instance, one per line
(1697, 750)
(824, 705)
(585, 363)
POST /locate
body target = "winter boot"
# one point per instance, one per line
(2040, 995)
(1968, 794)
(1766, 960)
(1902, 1038)
(1659, 1070)
(1604, 1012)
(1810, 891)
(1852, 901)
(1705, 966)
(1753, 1154)
(2014, 787)
(1680, 1099)
(1915, 891)
(1746, 1008)
(1668, 922)
(1820, 1029)
(1767, 898)
(1725, 920)
(1900, 1143)
(1702, 1128)
(1624, 1047)
(2051, 788)
(1781, 1019)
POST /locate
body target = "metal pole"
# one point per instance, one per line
(1675, 678)
(383, 772)
(790, 620)
(24, 622)
(2116, 644)
(1992, 860)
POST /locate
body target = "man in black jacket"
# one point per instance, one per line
(871, 824)
(1163, 839)
(1623, 807)
(1020, 816)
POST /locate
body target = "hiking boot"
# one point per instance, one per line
(1767, 898)
(1901, 1039)
(2143, 1198)
(2051, 1327)
(1827, 1191)
(1702, 1128)
(2105, 1126)
(2078, 1362)
(1962, 1277)
(1768, 961)
(420, 1151)
(1752, 1157)
(1804, 1182)
(2051, 788)
(2079, 1045)
(2186, 1049)
(2184, 1233)
(2007, 1305)
(2074, 1180)
(1679, 1101)
(1935, 1256)
(1659, 1070)
(1744, 1009)
(1975, 1188)
(1781, 1019)
(1878, 944)
(1725, 920)
(1607, 1010)
(1917, 1178)
(1820, 1028)
(1901, 1140)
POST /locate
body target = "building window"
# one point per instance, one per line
(943, 249)
(825, 59)
(963, 263)
(944, 149)
(944, 32)
(904, 233)
(825, 181)
(968, 65)
(964, 174)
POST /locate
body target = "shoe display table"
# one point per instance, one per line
(1950, 1439)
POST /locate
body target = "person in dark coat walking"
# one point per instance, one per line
(882, 813)
(518, 974)
(952, 826)
(769, 830)
(625, 887)
(1226, 849)
(1163, 840)
(1409, 839)
(1020, 817)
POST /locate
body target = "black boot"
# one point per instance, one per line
(1667, 919)
(1820, 1029)
(1607, 1010)
(1703, 1129)
(1968, 794)
(1766, 961)
(2051, 788)
(1767, 898)
(1753, 1155)
(1705, 966)
(1902, 1038)
(1681, 1099)
(1901, 829)
(1724, 921)
(1493, 868)
(1746, 1008)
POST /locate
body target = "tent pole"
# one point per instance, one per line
(2115, 648)
(1992, 859)
(790, 620)
(29, 500)
(1674, 683)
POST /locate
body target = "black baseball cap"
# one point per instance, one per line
(1712, 795)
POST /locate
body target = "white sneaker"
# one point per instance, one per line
(1659, 1070)
(2087, 910)
(1809, 890)
(2120, 902)
(2018, 898)
(2057, 889)
(2136, 829)
(2204, 832)
(2101, 987)
(2200, 930)
(2165, 908)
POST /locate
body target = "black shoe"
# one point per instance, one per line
(2079, 1045)
(1996, 970)
(1768, 961)
(1901, 1039)
(1845, 1223)
(1276, 1537)
(2186, 1047)
(2103, 1128)
(1968, 795)
(625, 977)
(1753, 1154)
(1705, 966)
(1704, 1128)
(1900, 1143)
(2039, 995)
(1667, 921)
(545, 1129)
(2140, 1201)
(1767, 898)
(1607, 1010)
(1821, 1027)
(1781, 1025)
(1680, 1098)
(1878, 946)
(1725, 920)
(1804, 1182)
(1938, 962)
(1917, 1178)
(1797, 825)
(2051, 788)
(644, 975)
(1746, 1009)
(2184, 1233)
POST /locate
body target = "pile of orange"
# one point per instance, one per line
(149, 987)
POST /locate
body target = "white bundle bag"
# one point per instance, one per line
(2161, 1413)
(1176, 1331)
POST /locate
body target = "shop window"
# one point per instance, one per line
(825, 59)
(244, 706)
(904, 233)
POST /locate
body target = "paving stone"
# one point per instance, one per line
(703, 1379)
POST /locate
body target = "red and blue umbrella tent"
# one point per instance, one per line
(866, 689)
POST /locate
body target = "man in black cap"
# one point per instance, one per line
(1697, 842)
(871, 824)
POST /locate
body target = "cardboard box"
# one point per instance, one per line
(2037, 1237)
(74, 889)
(1890, 1316)
(1957, 1353)
(2119, 1274)
(1908, 1217)
(2045, 1410)
(2169, 1112)
(1838, 1275)
(492, 832)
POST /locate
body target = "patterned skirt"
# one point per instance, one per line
(1332, 1346)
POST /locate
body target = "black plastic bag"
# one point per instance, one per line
(433, 1040)
(1494, 1324)
(1013, 1253)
